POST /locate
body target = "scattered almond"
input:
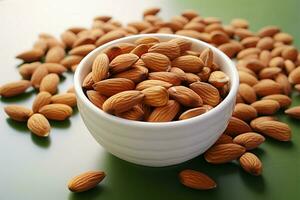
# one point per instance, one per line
(86, 181)
(196, 180)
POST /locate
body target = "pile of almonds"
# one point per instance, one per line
(155, 81)
(268, 65)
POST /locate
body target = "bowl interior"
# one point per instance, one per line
(225, 63)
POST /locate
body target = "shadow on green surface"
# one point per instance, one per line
(283, 145)
(18, 126)
(94, 193)
(43, 142)
(20, 97)
(61, 124)
(255, 183)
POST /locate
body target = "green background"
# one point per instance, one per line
(34, 168)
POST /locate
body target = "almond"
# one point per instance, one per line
(88, 81)
(265, 57)
(38, 75)
(68, 38)
(31, 55)
(96, 98)
(224, 139)
(247, 78)
(293, 112)
(156, 61)
(140, 49)
(207, 56)
(150, 83)
(294, 76)
(268, 31)
(66, 98)
(195, 34)
(164, 113)
(27, 69)
(39, 125)
(136, 74)
(83, 40)
(82, 50)
(267, 87)
(113, 86)
(14, 88)
(251, 164)
(239, 23)
(249, 51)
(237, 126)
(193, 113)
(247, 93)
(283, 37)
(100, 67)
(289, 66)
(265, 43)
(204, 74)
(55, 54)
(283, 100)
(249, 140)
(165, 76)
(170, 49)
(274, 129)
(244, 112)
(135, 113)
(179, 72)
(86, 181)
(218, 79)
(188, 63)
(269, 73)
(156, 96)
(56, 111)
(122, 62)
(183, 44)
(110, 36)
(196, 180)
(42, 99)
(71, 60)
(283, 81)
(191, 78)
(257, 120)
(18, 113)
(146, 40)
(209, 94)
(277, 62)
(266, 107)
(289, 53)
(250, 41)
(55, 68)
(49, 83)
(112, 52)
(185, 96)
(223, 153)
(123, 101)
(151, 11)
(230, 49)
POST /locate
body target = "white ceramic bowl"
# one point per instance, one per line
(156, 144)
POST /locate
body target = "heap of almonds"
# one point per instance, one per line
(267, 62)
(155, 81)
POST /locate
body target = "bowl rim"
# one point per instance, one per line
(234, 81)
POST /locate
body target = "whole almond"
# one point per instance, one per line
(269, 73)
(164, 113)
(257, 120)
(289, 66)
(151, 11)
(113, 86)
(294, 76)
(55, 55)
(88, 81)
(179, 72)
(55, 68)
(56, 111)
(265, 57)
(165, 76)
(224, 139)
(188, 63)
(247, 93)
(249, 51)
(283, 100)
(49, 83)
(38, 75)
(207, 56)
(71, 60)
(82, 50)
(136, 74)
(204, 74)
(68, 38)
(156, 96)
(122, 101)
(170, 49)
(266, 107)
(237, 126)
(293, 112)
(96, 98)
(135, 113)
(196, 180)
(66, 98)
(18, 113)
(290, 53)
(83, 40)
(267, 87)
(122, 62)
(39, 125)
(247, 78)
(140, 49)
(192, 113)
(31, 55)
(244, 112)
(150, 83)
(209, 94)
(183, 44)
(219, 37)
(42, 99)
(251, 164)
(283, 81)
(265, 43)
(86, 181)
(283, 37)
(27, 69)
(230, 49)
(223, 153)
(274, 129)
(239, 23)
(268, 31)
(112, 52)
(14, 88)
(191, 78)
(185, 96)
(250, 41)
(110, 36)
(156, 61)
(100, 67)
(218, 79)
(249, 140)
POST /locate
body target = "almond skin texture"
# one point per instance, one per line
(284, 100)
(50, 83)
(27, 69)
(293, 112)
(100, 67)
(165, 113)
(156, 61)
(55, 68)
(247, 93)
(188, 63)
(38, 76)
(247, 78)
(18, 113)
(267, 87)
(251, 163)
(42, 99)
(165, 76)
(274, 129)
(207, 56)
(237, 126)
(136, 74)
(150, 83)
(55, 54)
(122, 62)
(96, 98)
(156, 96)
(39, 125)
(113, 86)
(185, 96)
(66, 98)
(196, 180)
(244, 112)
(135, 113)
(122, 101)
(257, 120)
(31, 55)
(294, 76)
(224, 139)
(209, 94)
(86, 181)
(14, 88)
(249, 140)
(183, 44)
(266, 107)
(223, 153)
(88, 81)
(193, 113)
(56, 111)
(170, 49)
(82, 50)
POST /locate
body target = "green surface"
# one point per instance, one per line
(34, 168)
